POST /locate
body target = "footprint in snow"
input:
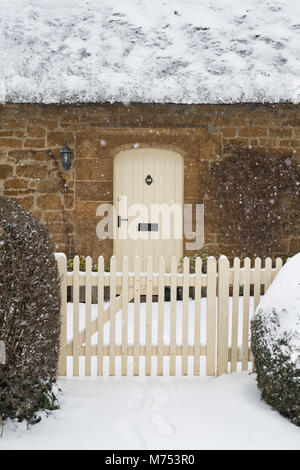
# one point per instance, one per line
(162, 426)
(160, 399)
(134, 402)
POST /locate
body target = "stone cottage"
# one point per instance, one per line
(169, 93)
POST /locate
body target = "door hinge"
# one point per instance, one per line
(120, 220)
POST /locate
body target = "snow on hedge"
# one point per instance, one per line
(283, 297)
(191, 51)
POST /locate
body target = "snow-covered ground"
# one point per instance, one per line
(156, 412)
(152, 413)
(191, 51)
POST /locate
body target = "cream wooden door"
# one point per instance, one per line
(148, 202)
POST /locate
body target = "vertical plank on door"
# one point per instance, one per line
(159, 168)
(118, 190)
(138, 197)
(148, 194)
(169, 197)
(178, 218)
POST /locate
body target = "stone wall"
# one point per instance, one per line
(30, 171)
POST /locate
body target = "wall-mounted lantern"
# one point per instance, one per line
(66, 157)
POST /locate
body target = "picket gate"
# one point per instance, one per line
(151, 326)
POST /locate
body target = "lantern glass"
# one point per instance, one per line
(66, 157)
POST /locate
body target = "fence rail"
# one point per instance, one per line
(136, 323)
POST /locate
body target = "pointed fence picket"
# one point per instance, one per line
(137, 306)
(197, 316)
(140, 316)
(100, 310)
(235, 313)
(211, 309)
(76, 316)
(160, 330)
(88, 315)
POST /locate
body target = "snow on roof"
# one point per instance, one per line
(179, 51)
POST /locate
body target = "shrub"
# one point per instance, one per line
(82, 264)
(204, 254)
(275, 342)
(29, 315)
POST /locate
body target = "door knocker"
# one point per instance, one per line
(149, 179)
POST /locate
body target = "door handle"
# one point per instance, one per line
(120, 220)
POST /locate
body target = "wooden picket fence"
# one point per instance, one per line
(222, 294)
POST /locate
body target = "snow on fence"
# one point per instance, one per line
(133, 325)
